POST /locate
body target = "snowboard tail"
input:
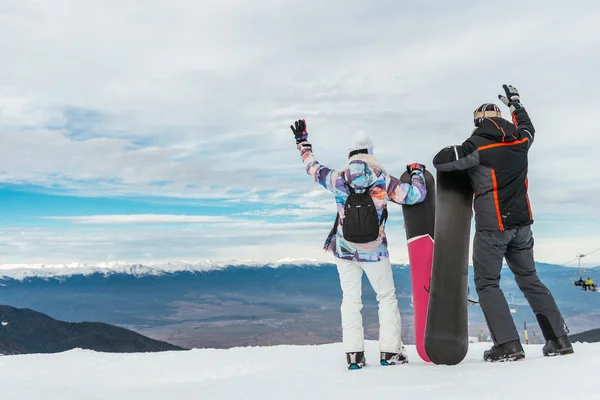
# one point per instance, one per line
(446, 332)
(419, 223)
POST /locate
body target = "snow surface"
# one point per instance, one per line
(22, 271)
(293, 372)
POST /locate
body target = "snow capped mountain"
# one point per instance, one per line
(23, 271)
(293, 372)
(152, 268)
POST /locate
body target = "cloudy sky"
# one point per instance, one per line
(159, 130)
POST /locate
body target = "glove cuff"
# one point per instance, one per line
(515, 106)
(418, 172)
(302, 144)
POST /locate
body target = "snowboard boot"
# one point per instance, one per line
(509, 351)
(356, 360)
(558, 347)
(393, 358)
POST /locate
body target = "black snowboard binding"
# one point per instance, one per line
(558, 347)
(509, 351)
(356, 360)
(393, 358)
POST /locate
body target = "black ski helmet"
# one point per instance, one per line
(487, 110)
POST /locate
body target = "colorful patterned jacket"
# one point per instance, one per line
(362, 171)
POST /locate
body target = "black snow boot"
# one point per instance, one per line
(393, 358)
(509, 351)
(356, 360)
(558, 347)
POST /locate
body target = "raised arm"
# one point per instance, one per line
(408, 193)
(321, 174)
(520, 117)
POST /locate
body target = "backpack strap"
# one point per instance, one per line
(384, 216)
(350, 188)
(335, 224)
(337, 214)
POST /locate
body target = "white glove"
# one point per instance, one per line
(512, 99)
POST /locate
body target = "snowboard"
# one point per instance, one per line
(446, 331)
(419, 221)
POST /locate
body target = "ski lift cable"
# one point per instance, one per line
(592, 252)
(581, 256)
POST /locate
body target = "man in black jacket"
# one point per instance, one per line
(496, 157)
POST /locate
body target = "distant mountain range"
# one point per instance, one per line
(22, 271)
(24, 331)
(238, 304)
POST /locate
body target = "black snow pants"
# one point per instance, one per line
(516, 246)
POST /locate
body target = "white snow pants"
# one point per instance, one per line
(380, 276)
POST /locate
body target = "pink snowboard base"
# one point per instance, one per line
(420, 254)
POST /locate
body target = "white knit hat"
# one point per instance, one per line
(361, 141)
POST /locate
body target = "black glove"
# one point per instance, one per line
(300, 132)
(512, 99)
(410, 168)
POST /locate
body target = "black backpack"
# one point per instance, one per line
(361, 224)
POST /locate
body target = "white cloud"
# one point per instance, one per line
(228, 226)
(237, 240)
(186, 99)
(215, 85)
(155, 242)
(142, 219)
(300, 209)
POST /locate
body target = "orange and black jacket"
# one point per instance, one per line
(496, 158)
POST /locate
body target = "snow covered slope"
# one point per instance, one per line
(291, 372)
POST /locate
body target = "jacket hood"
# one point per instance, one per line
(362, 171)
(495, 128)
